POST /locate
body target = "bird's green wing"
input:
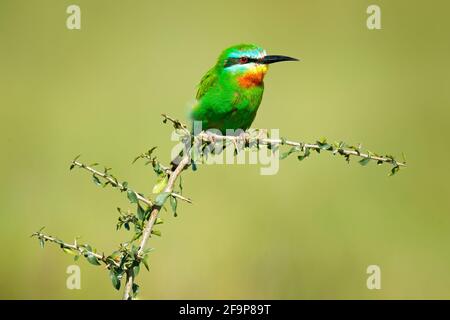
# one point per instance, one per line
(208, 81)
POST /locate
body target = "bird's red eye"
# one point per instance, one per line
(243, 60)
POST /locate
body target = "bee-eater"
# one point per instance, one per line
(230, 93)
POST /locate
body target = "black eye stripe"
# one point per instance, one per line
(232, 61)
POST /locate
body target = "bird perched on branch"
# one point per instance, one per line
(230, 93)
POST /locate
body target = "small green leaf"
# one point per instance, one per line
(76, 158)
(96, 180)
(115, 256)
(181, 185)
(140, 213)
(322, 140)
(137, 235)
(305, 155)
(347, 158)
(156, 233)
(161, 198)
(69, 251)
(307, 152)
(144, 261)
(149, 152)
(159, 221)
(132, 196)
(323, 145)
(114, 279)
(135, 289)
(364, 161)
(394, 170)
(286, 154)
(157, 167)
(193, 165)
(136, 270)
(92, 259)
(137, 158)
(174, 204)
(161, 183)
(148, 250)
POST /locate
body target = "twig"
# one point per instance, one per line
(185, 161)
(176, 123)
(114, 182)
(247, 139)
(128, 287)
(179, 196)
(75, 247)
(212, 137)
(150, 159)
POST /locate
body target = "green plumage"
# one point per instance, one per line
(230, 93)
(222, 103)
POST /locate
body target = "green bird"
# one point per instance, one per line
(230, 93)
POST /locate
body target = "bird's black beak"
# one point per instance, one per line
(273, 59)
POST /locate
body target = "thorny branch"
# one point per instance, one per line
(153, 217)
(300, 146)
(125, 262)
(258, 138)
(75, 249)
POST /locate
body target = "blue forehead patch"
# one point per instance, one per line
(253, 53)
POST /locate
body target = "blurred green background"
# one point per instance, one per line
(308, 232)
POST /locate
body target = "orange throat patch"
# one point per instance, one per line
(253, 77)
